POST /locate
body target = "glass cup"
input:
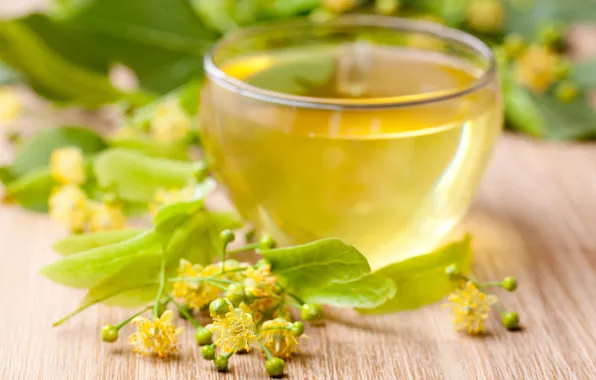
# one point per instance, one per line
(371, 129)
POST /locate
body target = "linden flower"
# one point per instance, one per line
(10, 105)
(106, 216)
(198, 294)
(260, 281)
(68, 165)
(537, 68)
(235, 331)
(278, 338)
(68, 206)
(339, 6)
(157, 337)
(170, 122)
(166, 197)
(470, 308)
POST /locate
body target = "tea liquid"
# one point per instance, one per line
(390, 181)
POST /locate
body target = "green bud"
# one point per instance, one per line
(250, 236)
(311, 312)
(275, 367)
(260, 263)
(511, 320)
(509, 283)
(221, 363)
(452, 271)
(235, 294)
(219, 308)
(109, 334)
(514, 45)
(227, 236)
(297, 329)
(266, 242)
(387, 7)
(203, 336)
(207, 352)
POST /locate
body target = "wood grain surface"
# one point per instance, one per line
(535, 218)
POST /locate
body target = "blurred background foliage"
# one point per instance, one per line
(66, 54)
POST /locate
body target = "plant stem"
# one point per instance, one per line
(266, 350)
(499, 309)
(489, 284)
(162, 285)
(124, 322)
(298, 299)
(187, 315)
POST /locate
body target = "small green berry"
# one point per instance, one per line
(275, 367)
(514, 45)
(109, 334)
(202, 336)
(207, 352)
(297, 329)
(266, 242)
(220, 307)
(221, 363)
(227, 236)
(452, 271)
(509, 283)
(511, 320)
(311, 312)
(235, 294)
(387, 7)
(249, 298)
(250, 236)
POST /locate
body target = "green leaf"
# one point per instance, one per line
(317, 264)
(35, 153)
(150, 147)
(162, 41)
(31, 46)
(79, 243)
(31, 190)
(527, 17)
(566, 121)
(136, 177)
(521, 110)
(89, 268)
(298, 76)
(421, 280)
(369, 291)
(584, 74)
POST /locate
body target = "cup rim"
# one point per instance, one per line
(439, 31)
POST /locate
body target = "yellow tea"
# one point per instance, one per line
(382, 157)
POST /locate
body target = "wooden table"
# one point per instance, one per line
(535, 218)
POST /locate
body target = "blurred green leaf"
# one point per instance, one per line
(31, 190)
(8, 75)
(35, 153)
(50, 60)
(584, 74)
(162, 41)
(136, 177)
(147, 145)
(79, 243)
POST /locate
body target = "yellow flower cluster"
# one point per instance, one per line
(235, 331)
(155, 337)
(277, 336)
(170, 123)
(68, 203)
(261, 283)
(470, 308)
(537, 68)
(198, 294)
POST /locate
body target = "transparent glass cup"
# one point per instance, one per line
(371, 129)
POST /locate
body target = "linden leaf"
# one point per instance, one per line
(147, 145)
(317, 264)
(36, 152)
(136, 177)
(31, 190)
(79, 243)
(367, 292)
(421, 280)
(89, 268)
